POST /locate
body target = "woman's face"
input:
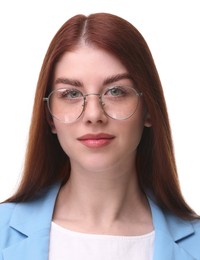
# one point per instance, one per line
(96, 142)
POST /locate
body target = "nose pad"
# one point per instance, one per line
(93, 109)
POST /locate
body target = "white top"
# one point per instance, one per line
(66, 244)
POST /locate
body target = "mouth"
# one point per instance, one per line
(96, 140)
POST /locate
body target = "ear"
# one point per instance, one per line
(52, 126)
(50, 122)
(147, 120)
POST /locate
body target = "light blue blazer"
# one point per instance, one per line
(25, 230)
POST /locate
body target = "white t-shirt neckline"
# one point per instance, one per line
(73, 245)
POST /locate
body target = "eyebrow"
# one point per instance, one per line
(108, 80)
(116, 78)
(68, 81)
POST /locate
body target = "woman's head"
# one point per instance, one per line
(97, 114)
(46, 162)
(120, 38)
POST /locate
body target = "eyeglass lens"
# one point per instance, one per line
(67, 105)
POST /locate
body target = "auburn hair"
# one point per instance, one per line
(46, 162)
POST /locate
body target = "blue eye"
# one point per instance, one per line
(116, 91)
(71, 94)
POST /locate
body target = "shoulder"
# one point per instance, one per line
(184, 235)
(192, 243)
(179, 228)
(44, 200)
(6, 210)
(18, 220)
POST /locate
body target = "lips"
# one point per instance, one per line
(96, 140)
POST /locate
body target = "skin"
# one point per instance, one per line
(103, 188)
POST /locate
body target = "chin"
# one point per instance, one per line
(101, 164)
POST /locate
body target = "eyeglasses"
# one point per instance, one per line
(68, 104)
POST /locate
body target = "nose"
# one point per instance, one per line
(93, 110)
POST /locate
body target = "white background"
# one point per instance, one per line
(172, 31)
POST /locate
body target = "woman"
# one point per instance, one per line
(100, 179)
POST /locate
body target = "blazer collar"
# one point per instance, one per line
(32, 221)
(31, 216)
(168, 231)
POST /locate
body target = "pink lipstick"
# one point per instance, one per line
(96, 140)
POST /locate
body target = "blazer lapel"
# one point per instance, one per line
(30, 223)
(168, 231)
(33, 247)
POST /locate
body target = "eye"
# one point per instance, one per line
(70, 94)
(117, 91)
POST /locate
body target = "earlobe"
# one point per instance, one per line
(147, 120)
(52, 126)
(50, 122)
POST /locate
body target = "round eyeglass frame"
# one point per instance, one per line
(84, 96)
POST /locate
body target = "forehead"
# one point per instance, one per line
(87, 63)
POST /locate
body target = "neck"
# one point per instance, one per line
(103, 200)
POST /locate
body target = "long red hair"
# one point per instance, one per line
(46, 162)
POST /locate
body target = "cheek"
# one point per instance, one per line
(64, 136)
(136, 133)
(133, 131)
